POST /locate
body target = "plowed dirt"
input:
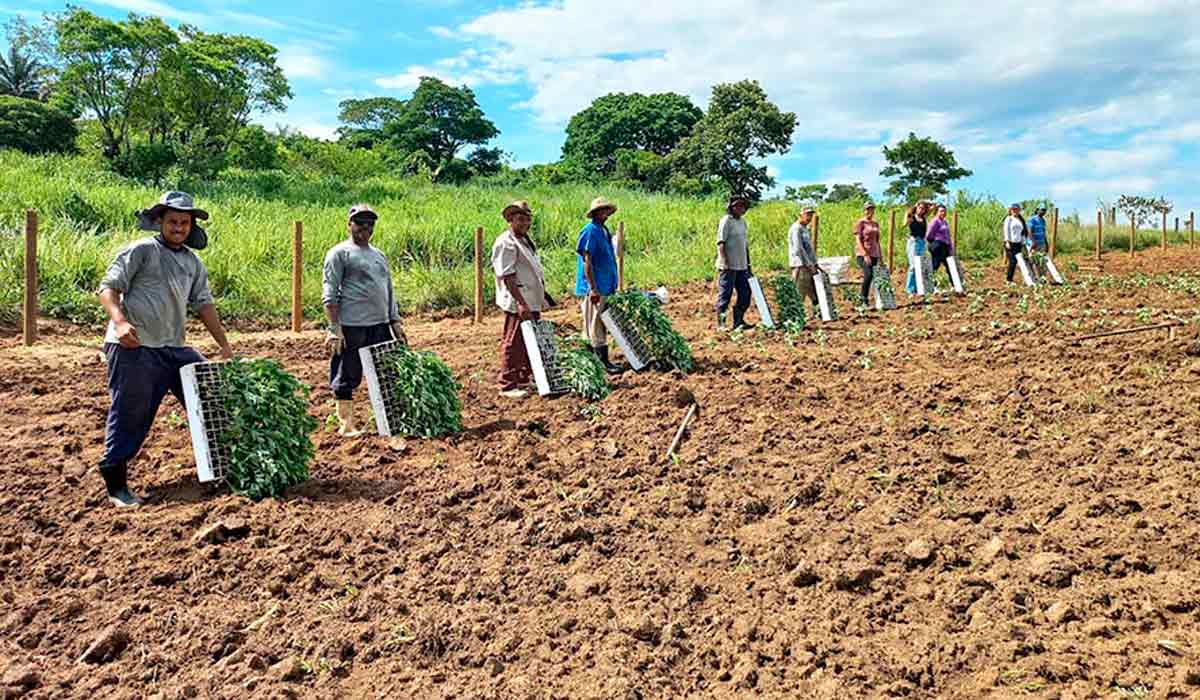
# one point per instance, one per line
(948, 500)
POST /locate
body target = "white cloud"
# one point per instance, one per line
(443, 32)
(302, 60)
(161, 9)
(1103, 188)
(317, 130)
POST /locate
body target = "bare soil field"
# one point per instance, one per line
(945, 501)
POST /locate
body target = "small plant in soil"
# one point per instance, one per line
(429, 405)
(664, 342)
(269, 427)
(789, 301)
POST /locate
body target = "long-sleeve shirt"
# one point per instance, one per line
(866, 238)
(800, 250)
(357, 280)
(939, 230)
(512, 255)
(157, 284)
(1014, 230)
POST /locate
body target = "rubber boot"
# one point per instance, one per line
(116, 482)
(739, 321)
(602, 353)
(345, 414)
(720, 320)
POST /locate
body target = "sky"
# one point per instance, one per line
(1078, 101)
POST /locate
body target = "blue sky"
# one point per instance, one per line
(1076, 100)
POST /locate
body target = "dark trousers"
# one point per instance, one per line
(345, 368)
(515, 370)
(868, 268)
(940, 252)
(138, 379)
(727, 282)
(1010, 252)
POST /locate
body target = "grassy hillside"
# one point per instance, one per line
(86, 216)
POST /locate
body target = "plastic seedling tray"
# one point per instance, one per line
(381, 384)
(542, 347)
(884, 300)
(1026, 270)
(760, 303)
(922, 266)
(956, 275)
(1053, 270)
(825, 296)
(207, 418)
(628, 339)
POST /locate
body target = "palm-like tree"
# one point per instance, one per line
(20, 76)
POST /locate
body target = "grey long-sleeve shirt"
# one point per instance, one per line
(358, 281)
(800, 250)
(157, 286)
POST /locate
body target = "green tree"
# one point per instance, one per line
(106, 63)
(654, 124)
(365, 120)
(439, 120)
(21, 76)
(33, 127)
(920, 167)
(487, 161)
(848, 193)
(806, 194)
(649, 170)
(740, 127)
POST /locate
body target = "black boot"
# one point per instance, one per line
(739, 321)
(602, 353)
(116, 483)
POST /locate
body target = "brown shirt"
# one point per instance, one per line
(866, 238)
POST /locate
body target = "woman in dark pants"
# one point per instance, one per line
(866, 247)
(940, 245)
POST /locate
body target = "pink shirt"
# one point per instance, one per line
(866, 239)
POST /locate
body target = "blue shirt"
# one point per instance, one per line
(596, 241)
(1037, 227)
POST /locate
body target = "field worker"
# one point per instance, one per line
(147, 291)
(801, 256)
(733, 263)
(520, 293)
(356, 289)
(866, 247)
(940, 245)
(1014, 232)
(1037, 230)
(596, 276)
(914, 218)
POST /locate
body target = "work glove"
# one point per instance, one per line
(398, 332)
(335, 341)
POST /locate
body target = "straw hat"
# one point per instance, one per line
(518, 207)
(600, 204)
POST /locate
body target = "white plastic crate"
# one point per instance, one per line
(956, 275)
(381, 384)
(825, 296)
(541, 344)
(837, 268)
(207, 418)
(760, 303)
(884, 301)
(636, 353)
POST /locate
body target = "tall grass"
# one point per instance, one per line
(86, 216)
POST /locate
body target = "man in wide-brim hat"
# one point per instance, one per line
(520, 294)
(596, 276)
(733, 263)
(147, 292)
(361, 307)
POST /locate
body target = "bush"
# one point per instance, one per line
(32, 127)
(253, 149)
(148, 162)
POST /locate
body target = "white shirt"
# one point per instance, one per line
(1014, 230)
(511, 255)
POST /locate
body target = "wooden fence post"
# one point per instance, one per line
(1054, 233)
(1164, 230)
(1099, 232)
(621, 256)
(478, 274)
(954, 232)
(30, 310)
(297, 274)
(816, 232)
(892, 242)
(1112, 217)
(1132, 235)
(1192, 230)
